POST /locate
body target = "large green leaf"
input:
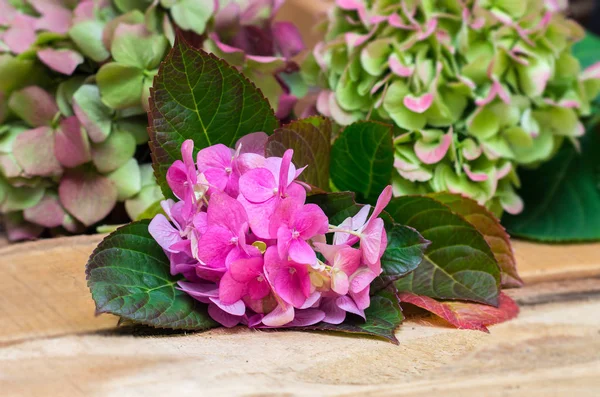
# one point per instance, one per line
(129, 276)
(198, 96)
(362, 160)
(458, 264)
(311, 140)
(587, 50)
(493, 232)
(562, 197)
(384, 315)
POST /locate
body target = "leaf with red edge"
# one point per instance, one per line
(310, 139)
(493, 232)
(88, 196)
(466, 315)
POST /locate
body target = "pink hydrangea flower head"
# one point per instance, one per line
(246, 242)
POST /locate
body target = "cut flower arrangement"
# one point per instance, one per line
(251, 232)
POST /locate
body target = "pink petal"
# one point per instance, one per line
(279, 317)
(347, 304)
(312, 300)
(362, 298)
(310, 221)
(361, 279)
(34, 105)
(63, 61)
(259, 216)
(382, 201)
(21, 33)
(163, 232)
(253, 143)
(216, 245)
(222, 317)
(370, 241)
(429, 154)
(230, 291)
(34, 151)
(347, 260)
(227, 212)
(397, 22)
(177, 178)
(306, 317)
(287, 39)
(289, 280)
(300, 252)
(54, 18)
(591, 72)
(244, 270)
(333, 313)
(286, 105)
(237, 308)
(339, 282)
(257, 185)
(418, 104)
(216, 156)
(398, 68)
(475, 176)
(199, 291)
(48, 212)
(258, 289)
(71, 145)
(87, 196)
(430, 27)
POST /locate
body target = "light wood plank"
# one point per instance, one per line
(550, 350)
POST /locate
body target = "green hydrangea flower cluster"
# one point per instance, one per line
(475, 88)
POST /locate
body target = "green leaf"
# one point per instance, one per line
(405, 251)
(587, 51)
(562, 197)
(129, 276)
(198, 96)
(458, 264)
(493, 232)
(362, 160)
(311, 140)
(384, 315)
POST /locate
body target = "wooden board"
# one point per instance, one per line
(51, 344)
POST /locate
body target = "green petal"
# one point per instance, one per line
(120, 85)
(142, 52)
(140, 203)
(87, 35)
(95, 116)
(114, 152)
(483, 124)
(394, 105)
(127, 179)
(193, 14)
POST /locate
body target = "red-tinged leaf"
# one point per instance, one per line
(465, 315)
(33, 150)
(71, 145)
(311, 140)
(34, 105)
(493, 232)
(89, 197)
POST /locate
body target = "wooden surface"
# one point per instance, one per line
(51, 344)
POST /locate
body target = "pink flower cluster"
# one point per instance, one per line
(251, 248)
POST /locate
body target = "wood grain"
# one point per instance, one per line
(52, 344)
